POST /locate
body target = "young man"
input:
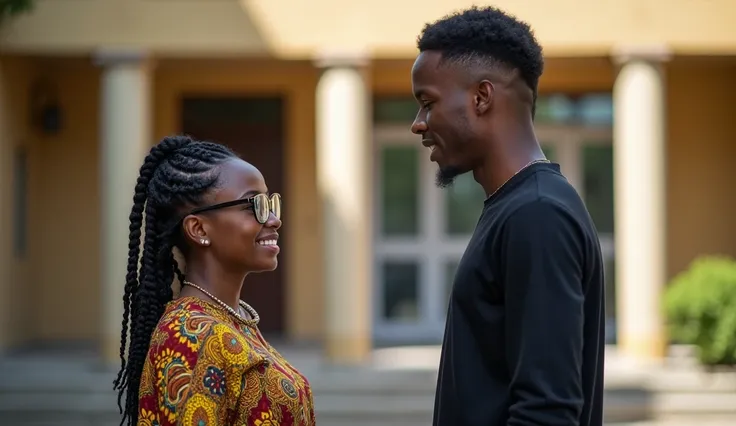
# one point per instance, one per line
(524, 339)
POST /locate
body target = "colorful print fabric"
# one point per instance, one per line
(206, 369)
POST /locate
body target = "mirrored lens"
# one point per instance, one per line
(260, 207)
(263, 206)
(276, 205)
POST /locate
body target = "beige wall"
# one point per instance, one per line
(63, 265)
(15, 321)
(302, 29)
(701, 175)
(391, 77)
(296, 81)
(66, 239)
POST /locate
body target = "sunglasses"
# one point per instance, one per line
(261, 204)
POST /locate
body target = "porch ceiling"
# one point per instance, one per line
(167, 27)
(389, 28)
(382, 28)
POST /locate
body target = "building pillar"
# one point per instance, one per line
(125, 122)
(639, 134)
(344, 169)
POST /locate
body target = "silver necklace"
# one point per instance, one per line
(249, 322)
(541, 160)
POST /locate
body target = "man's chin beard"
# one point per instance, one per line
(446, 176)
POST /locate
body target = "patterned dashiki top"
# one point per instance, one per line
(204, 368)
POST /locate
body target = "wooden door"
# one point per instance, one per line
(253, 128)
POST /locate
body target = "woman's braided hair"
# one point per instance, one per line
(175, 175)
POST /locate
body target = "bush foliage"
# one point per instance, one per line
(700, 306)
(10, 8)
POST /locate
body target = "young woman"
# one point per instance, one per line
(199, 359)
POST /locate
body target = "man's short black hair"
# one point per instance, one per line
(489, 36)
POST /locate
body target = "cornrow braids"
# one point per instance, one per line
(175, 175)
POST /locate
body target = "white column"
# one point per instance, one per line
(640, 194)
(344, 183)
(125, 137)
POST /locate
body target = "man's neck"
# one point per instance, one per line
(499, 167)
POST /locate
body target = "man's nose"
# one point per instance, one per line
(419, 126)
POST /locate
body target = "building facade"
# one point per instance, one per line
(317, 95)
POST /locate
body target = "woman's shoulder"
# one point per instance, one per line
(191, 329)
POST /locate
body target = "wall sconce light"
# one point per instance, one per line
(46, 113)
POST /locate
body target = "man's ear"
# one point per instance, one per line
(484, 97)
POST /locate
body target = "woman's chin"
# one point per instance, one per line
(265, 265)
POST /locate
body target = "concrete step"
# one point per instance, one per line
(64, 418)
(43, 392)
(391, 402)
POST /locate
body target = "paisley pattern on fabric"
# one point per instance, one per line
(173, 375)
(148, 418)
(205, 369)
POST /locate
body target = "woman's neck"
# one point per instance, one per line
(224, 286)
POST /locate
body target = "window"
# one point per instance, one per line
(399, 190)
(463, 205)
(589, 110)
(423, 230)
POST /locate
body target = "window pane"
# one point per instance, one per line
(395, 110)
(596, 109)
(592, 109)
(399, 190)
(463, 204)
(400, 290)
(450, 269)
(598, 184)
(554, 109)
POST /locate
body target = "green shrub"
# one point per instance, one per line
(9, 8)
(700, 306)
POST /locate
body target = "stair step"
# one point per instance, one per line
(39, 393)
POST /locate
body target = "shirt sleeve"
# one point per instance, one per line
(216, 381)
(542, 270)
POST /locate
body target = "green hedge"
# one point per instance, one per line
(9, 8)
(700, 306)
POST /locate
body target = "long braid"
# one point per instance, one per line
(134, 250)
(174, 177)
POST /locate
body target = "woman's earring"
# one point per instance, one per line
(205, 241)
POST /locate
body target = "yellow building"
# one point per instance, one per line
(317, 94)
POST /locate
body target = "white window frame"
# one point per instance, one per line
(433, 248)
(568, 141)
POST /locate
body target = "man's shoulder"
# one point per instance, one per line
(547, 194)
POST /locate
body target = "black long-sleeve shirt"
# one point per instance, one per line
(524, 340)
